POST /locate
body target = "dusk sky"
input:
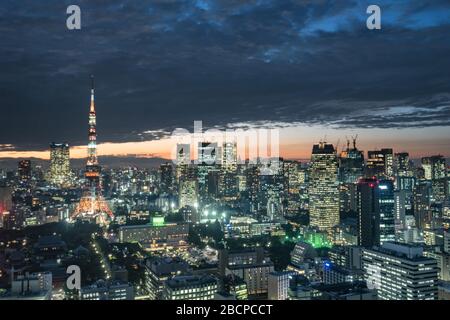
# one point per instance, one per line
(310, 67)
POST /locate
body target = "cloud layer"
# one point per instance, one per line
(162, 64)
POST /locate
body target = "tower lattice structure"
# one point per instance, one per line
(92, 205)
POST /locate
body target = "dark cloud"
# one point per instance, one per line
(162, 64)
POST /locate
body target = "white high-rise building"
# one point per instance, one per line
(278, 285)
(400, 272)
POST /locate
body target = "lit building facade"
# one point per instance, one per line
(278, 284)
(24, 171)
(380, 163)
(400, 272)
(188, 193)
(368, 212)
(60, 174)
(387, 210)
(324, 187)
(190, 287)
(351, 164)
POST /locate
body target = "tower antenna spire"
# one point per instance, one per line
(92, 204)
(92, 94)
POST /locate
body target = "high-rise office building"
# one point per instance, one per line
(387, 210)
(435, 167)
(292, 173)
(166, 182)
(59, 172)
(6, 199)
(228, 182)
(351, 164)
(403, 165)
(272, 195)
(183, 160)
(380, 163)
(208, 153)
(188, 193)
(400, 272)
(347, 197)
(208, 159)
(422, 203)
(324, 187)
(253, 186)
(293, 181)
(24, 170)
(404, 178)
(368, 196)
(229, 156)
(400, 209)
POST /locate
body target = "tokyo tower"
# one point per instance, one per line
(92, 205)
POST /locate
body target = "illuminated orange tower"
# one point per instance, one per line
(92, 205)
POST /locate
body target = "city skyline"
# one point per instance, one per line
(315, 72)
(251, 151)
(295, 150)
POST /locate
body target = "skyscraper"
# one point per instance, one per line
(436, 170)
(228, 182)
(435, 167)
(368, 212)
(351, 164)
(59, 164)
(183, 159)
(188, 193)
(24, 170)
(422, 203)
(208, 155)
(253, 186)
(92, 205)
(387, 211)
(166, 172)
(403, 166)
(292, 177)
(380, 163)
(324, 187)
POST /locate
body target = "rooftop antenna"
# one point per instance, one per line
(92, 93)
(92, 81)
(354, 141)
